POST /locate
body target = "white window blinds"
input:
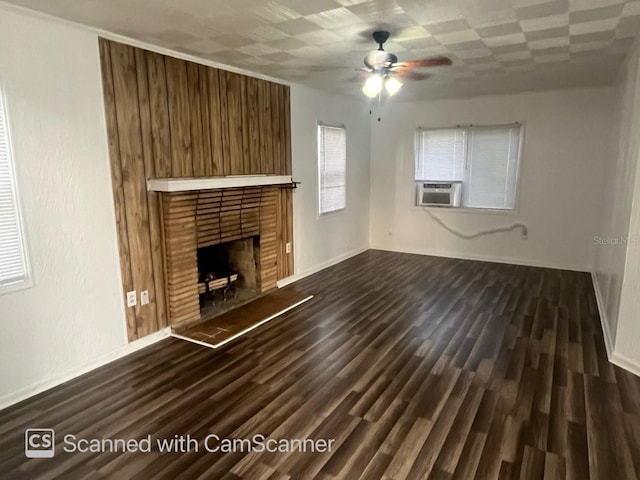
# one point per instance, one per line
(12, 258)
(493, 162)
(484, 158)
(332, 167)
(441, 154)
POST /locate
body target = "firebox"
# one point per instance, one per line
(227, 274)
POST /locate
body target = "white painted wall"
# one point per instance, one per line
(73, 315)
(323, 240)
(617, 272)
(567, 146)
(619, 178)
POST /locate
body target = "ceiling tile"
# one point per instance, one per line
(233, 40)
(594, 26)
(309, 7)
(543, 23)
(631, 8)
(589, 46)
(628, 27)
(319, 37)
(593, 14)
(522, 55)
(297, 26)
(505, 40)
(288, 43)
(457, 37)
(592, 37)
(447, 27)
(419, 43)
(333, 18)
(544, 9)
(500, 30)
(275, 13)
(547, 33)
(549, 43)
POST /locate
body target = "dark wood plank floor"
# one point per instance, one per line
(418, 367)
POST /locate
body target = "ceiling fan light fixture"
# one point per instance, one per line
(392, 85)
(373, 86)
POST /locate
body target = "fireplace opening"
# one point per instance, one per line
(227, 275)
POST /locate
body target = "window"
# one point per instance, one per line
(332, 168)
(484, 158)
(13, 264)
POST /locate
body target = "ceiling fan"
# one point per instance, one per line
(386, 71)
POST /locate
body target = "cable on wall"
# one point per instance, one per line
(508, 228)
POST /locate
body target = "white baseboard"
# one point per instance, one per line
(39, 387)
(608, 339)
(626, 363)
(340, 258)
(482, 258)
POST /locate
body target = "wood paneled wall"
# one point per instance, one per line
(170, 118)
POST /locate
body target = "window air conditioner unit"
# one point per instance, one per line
(438, 194)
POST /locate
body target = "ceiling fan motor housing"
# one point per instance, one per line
(380, 37)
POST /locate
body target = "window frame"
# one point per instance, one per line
(466, 209)
(320, 125)
(27, 281)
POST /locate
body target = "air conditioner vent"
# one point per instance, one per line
(438, 193)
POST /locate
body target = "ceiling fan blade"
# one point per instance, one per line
(407, 74)
(425, 62)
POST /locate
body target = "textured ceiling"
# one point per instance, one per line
(497, 46)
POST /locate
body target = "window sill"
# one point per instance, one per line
(16, 287)
(486, 211)
(331, 213)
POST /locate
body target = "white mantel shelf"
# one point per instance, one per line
(207, 183)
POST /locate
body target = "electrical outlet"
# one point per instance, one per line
(144, 297)
(288, 247)
(132, 298)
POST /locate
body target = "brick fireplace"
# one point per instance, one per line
(243, 220)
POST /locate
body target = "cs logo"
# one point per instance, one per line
(39, 442)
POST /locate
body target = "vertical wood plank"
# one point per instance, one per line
(207, 164)
(216, 163)
(265, 128)
(282, 137)
(287, 129)
(197, 135)
(280, 234)
(289, 237)
(156, 289)
(134, 180)
(180, 118)
(117, 182)
(261, 154)
(158, 103)
(276, 141)
(246, 136)
(253, 123)
(234, 116)
(224, 122)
